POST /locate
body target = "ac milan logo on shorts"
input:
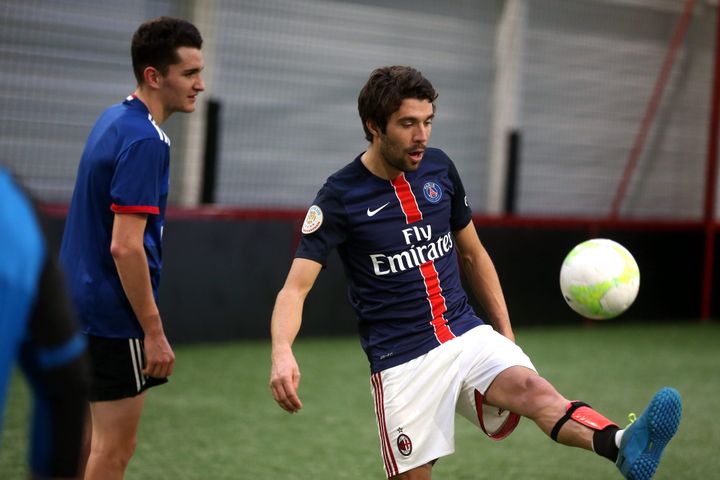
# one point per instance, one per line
(404, 444)
(432, 192)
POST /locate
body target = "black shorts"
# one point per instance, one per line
(116, 366)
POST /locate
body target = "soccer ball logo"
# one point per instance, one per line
(599, 279)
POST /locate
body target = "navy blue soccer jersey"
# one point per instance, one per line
(124, 169)
(396, 244)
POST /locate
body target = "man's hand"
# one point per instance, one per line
(284, 327)
(284, 381)
(159, 357)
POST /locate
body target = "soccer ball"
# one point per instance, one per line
(599, 279)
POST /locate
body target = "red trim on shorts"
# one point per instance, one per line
(391, 467)
(152, 210)
(437, 302)
(405, 195)
(506, 429)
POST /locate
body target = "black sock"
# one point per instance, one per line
(604, 442)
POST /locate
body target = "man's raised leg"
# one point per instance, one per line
(636, 450)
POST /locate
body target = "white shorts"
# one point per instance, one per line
(416, 402)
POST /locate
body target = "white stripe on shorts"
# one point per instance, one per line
(136, 354)
(139, 349)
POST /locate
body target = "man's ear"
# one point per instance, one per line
(373, 128)
(152, 77)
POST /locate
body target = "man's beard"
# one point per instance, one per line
(396, 157)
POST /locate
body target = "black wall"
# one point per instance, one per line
(221, 276)
(528, 263)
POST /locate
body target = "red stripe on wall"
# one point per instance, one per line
(388, 458)
(581, 224)
(437, 302)
(408, 203)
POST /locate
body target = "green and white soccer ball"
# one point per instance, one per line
(599, 279)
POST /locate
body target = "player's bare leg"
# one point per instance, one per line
(85, 448)
(636, 450)
(528, 394)
(423, 472)
(114, 436)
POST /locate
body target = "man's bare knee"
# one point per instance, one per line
(120, 447)
(114, 456)
(542, 396)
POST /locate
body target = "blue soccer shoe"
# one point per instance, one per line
(643, 442)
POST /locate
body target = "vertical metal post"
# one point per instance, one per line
(711, 182)
(513, 160)
(210, 156)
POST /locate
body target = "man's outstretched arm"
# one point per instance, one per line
(285, 325)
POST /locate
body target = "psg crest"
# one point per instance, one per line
(432, 192)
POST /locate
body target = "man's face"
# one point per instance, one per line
(408, 131)
(183, 81)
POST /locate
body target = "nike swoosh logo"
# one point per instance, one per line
(371, 213)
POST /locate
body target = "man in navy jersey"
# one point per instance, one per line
(38, 332)
(112, 246)
(398, 214)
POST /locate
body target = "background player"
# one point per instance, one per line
(112, 245)
(38, 330)
(396, 214)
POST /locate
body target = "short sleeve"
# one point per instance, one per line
(136, 183)
(324, 228)
(460, 214)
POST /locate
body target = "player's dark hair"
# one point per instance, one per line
(156, 41)
(385, 90)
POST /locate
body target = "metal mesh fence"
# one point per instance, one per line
(572, 77)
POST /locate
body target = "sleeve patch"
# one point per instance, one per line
(313, 220)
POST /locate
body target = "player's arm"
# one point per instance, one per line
(128, 251)
(483, 278)
(285, 325)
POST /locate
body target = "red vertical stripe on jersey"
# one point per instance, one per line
(390, 464)
(437, 302)
(408, 203)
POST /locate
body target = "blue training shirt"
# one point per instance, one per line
(41, 344)
(396, 244)
(22, 254)
(124, 169)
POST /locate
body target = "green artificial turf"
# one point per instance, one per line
(216, 419)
